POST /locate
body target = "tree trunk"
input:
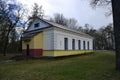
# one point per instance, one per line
(5, 47)
(6, 43)
(116, 21)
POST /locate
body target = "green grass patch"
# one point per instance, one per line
(97, 66)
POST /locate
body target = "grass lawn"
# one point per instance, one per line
(97, 66)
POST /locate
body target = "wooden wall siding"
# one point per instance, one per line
(35, 46)
(35, 43)
(33, 52)
(41, 25)
(48, 37)
(52, 42)
(49, 53)
(38, 41)
(30, 43)
(59, 36)
(70, 52)
(57, 53)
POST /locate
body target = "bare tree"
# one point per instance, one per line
(10, 15)
(68, 22)
(59, 19)
(72, 23)
(105, 3)
(116, 19)
(37, 12)
(100, 2)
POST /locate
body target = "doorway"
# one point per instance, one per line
(27, 50)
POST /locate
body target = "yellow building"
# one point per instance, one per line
(45, 38)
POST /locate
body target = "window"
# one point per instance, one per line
(36, 25)
(88, 45)
(79, 44)
(84, 45)
(66, 43)
(73, 44)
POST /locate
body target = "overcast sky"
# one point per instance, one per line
(78, 9)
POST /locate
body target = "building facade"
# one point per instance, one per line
(45, 38)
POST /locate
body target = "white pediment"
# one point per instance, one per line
(37, 24)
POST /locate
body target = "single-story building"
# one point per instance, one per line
(49, 39)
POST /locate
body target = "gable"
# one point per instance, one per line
(37, 24)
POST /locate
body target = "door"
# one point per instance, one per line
(27, 51)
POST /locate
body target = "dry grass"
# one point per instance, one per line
(97, 66)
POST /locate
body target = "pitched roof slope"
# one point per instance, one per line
(65, 27)
(29, 34)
